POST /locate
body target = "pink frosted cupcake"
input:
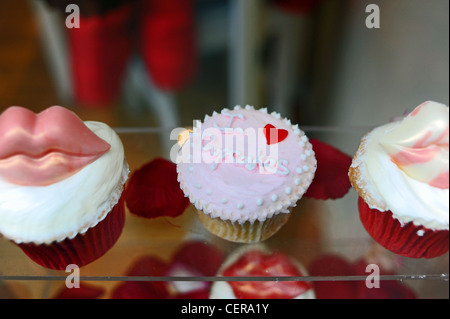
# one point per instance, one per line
(400, 172)
(61, 183)
(244, 169)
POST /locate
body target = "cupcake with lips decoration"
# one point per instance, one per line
(61, 183)
(400, 172)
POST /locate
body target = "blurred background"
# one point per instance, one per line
(165, 63)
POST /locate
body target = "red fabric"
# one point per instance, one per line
(83, 248)
(331, 177)
(402, 240)
(99, 52)
(168, 43)
(153, 190)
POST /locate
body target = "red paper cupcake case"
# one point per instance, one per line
(83, 248)
(402, 240)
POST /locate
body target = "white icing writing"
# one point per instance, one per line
(224, 144)
(230, 122)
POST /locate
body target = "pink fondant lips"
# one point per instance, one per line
(42, 149)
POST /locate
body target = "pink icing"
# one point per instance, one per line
(418, 108)
(42, 149)
(245, 181)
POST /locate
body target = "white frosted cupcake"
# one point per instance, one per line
(61, 183)
(244, 169)
(400, 172)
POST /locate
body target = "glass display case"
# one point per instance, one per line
(316, 228)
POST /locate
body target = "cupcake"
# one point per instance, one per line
(61, 183)
(400, 172)
(258, 261)
(244, 169)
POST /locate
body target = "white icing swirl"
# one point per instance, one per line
(401, 191)
(419, 145)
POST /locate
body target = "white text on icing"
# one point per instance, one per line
(245, 148)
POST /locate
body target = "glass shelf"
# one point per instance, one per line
(316, 228)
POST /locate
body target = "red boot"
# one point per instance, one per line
(99, 52)
(168, 42)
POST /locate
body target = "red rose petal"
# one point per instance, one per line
(140, 290)
(144, 266)
(85, 291)
(153, 191)
(333, 265)
(148, 266)
(201, 258)
(204, 258)
(331, 178)
(389, 289)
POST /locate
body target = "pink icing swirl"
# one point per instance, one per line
(419, 144)
(42, 149)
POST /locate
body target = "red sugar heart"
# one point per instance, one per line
(278, 134)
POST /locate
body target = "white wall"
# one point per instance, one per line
(383, 72)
